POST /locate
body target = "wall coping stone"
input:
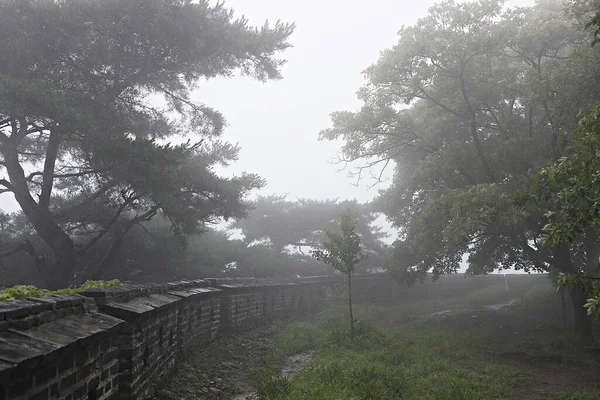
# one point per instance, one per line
(134, 308)
(16, 347)
(195, 292)
(21, 308)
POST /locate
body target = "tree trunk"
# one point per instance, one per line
(592, 252)
(56, 238)
(582, 322)
(564, 307)
(113, 249)
(350, 303)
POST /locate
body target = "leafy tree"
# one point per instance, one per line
(588, 13)
(95, 110)
(468, 106)
(283, 224)
(572, 186)
(343, 252)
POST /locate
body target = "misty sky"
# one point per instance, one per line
(277, 123)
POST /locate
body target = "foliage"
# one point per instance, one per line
(216, 254)
(285, 224)
(541, 297)
(588, 13)
(97, 129)
(590, 287)
(23, 291)
(568, 394)
(573, 185)
(496, 294)
(342, 250)
(459, 357)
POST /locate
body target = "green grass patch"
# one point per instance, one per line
(23, 291)
(565, 394)
(384, 363)
(400, 353)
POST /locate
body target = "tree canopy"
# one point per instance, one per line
(469, 104)
(98, 131)
(285, 224)
(572, 185)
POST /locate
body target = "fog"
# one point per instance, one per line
(447, 198)
(364, 184)
(277, 123)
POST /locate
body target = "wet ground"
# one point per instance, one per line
(223, 370)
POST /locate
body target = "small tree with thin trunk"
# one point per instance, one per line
(342, 251)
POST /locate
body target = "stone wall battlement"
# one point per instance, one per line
(120, 342)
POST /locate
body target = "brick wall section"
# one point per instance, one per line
(118, 343)
(69, 355)
(199, 316)
(146, 356)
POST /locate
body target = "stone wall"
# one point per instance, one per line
(118, 343)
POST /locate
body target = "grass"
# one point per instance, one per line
(24, 291)
(389, 358)
(575, 395)
(382, 364)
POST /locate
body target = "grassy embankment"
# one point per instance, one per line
(467, 352)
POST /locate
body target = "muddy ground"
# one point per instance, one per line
(224, 369)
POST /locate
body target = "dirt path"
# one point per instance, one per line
(291, 368)
(222, 370)
(293, 365)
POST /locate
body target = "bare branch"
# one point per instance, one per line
(64, 176)
(110, 223)
(147, 216)
(88, 200)
(9, 187)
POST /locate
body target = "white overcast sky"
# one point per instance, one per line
(277, 123)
